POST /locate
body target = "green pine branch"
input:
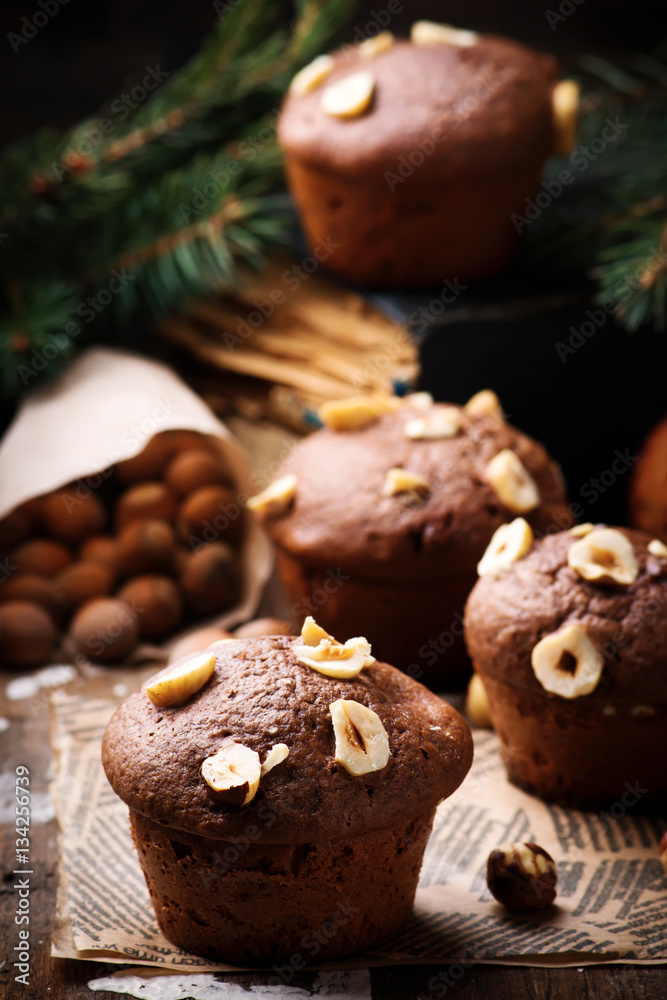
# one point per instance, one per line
(611, 222)
(136, 210)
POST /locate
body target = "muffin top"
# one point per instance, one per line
(583, 614)
(260, 695)
(467, 108)
(342, 514)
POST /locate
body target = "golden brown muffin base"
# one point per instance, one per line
(280, 904)
(570, 751)
(418, 629)
(419, 234)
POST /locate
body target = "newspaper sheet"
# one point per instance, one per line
(611, 890)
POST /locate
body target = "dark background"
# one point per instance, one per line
(92, 49)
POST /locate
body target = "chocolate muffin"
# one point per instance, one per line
(385, 524)
(281, 794)
(570, 640)
(407, 159)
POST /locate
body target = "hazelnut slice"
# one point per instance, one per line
(362, 743)
(311, 76)
(276, 498)
(565, 104)
(349, 97)
(512, 482)
(325, 654)
(179, 685)
(312, 633)
(276, 755)
(477, 704)
(657, 548)
(419, 400)
(509, 543)
(604, 556)
(355, 412)
(375, 46)
(567, 662)
(484, 403)
(430, 33)
(232, 775)
(522, 876)
(443, 422)
(581, 530)
(399, 480)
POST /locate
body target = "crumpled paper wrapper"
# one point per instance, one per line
(106, 408)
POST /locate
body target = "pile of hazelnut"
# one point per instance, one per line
(148, 545)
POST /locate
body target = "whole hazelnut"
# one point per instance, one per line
(72, 518)
(101, 548)
(522, 876)
(15, 528)
(264, 626)
(189, 470)
(105, 629)
(146, 500)
(36, 589)
(157, 603)
(196, 641)
(186, 440)
(214, 510)
(81, 581)
(149, 463)
(663, 851)
(27, 634)
(41, 556)
(146, 546)
(210, 579)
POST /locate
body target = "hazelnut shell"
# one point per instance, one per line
(27, 634)
(71, 518)
(143, 501)
(190, 470)
(81, 581)
(105, 629)
(42, 556)
(211, 513)
(210, 578)
(157, 603)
